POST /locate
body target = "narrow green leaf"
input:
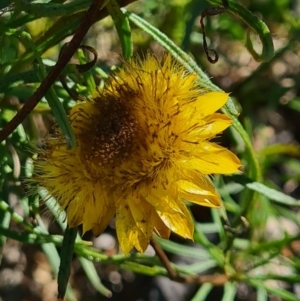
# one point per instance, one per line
(230, 188)
(208, 228)
(218, 222)
(288, 278)
(203, 292)
(273, 194)
(53, 258)
(122, 26)
(180, 249)
(66, 256)
(230, 289)
(92, 275)
(280, 149)
(199, 267)
(273, 245)
(261, 294)
(278, 292)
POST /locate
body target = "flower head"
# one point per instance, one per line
(142, 148)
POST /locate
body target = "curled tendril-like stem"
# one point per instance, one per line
(212, 11)
(80, 68)
(87, 66)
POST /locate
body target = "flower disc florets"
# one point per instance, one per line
(142, 147)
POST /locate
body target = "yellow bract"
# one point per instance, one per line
(142, 149)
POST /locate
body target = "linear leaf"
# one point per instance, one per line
(92, 275)
(203, 292)
(230, 289)
(278, 292)
(122, 26)
(180, 249)
(273, 194)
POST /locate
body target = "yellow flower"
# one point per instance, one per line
(142, 148)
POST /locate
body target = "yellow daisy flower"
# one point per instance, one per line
(142, 148)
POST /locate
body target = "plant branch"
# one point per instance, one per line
(215, 279)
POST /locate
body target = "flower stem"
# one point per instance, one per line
(165, 261)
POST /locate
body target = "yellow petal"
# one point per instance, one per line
(179, 221)
(129, 235)
(193, 193)
(141, 212)
(90, 214)
(78, 113)
(214, 159)
(215, 124)
(97, 208)
(160, 228)
(103, 221)
(75, 213)
(189, 231)
(155, 199)
(209, 103)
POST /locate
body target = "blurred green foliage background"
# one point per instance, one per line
(259, 256)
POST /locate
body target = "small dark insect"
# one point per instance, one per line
(212, 11)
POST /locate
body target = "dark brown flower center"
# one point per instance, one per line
(111, 137)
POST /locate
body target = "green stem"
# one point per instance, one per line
(122, 26)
